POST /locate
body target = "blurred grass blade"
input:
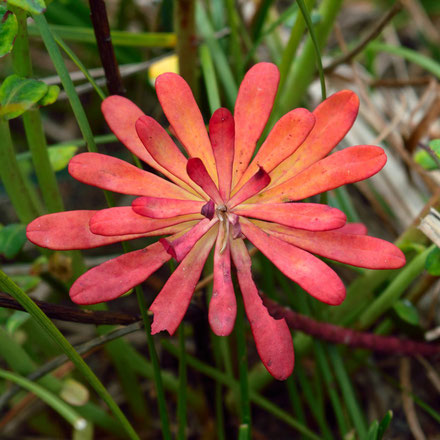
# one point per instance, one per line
(119, 38)
(210, 78)
(343, 379)
(52, 331)
(62, 408)
(80, 65)
(219, 57)
(305, 13)
(427, 63)
(63, 73)
(394, 290)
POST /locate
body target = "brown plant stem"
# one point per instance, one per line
(184, 24)
(296, 321)
(98, 15)
(349, 337)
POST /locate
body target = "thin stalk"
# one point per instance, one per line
(12, 178)
(243, 367)
(218, 55)
(69, 52)
(163, 412)
(329, 381)
(292, 46)
(69, 88)
(19, 360)
(57, 404)
(234, 40)
(33, 125)
(52, 331)
(395, 290)
(343, 379)
(295, 399)
(256, 398)
(184, 24)
(181, 397)
(310, 396)
(304, 67)
(63, 73)
(305, 13)
(209, 78)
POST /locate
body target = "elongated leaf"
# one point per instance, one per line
(432, 264)
(8, 30)
(406, 311)
(19, 94)
(32, 6)
(12, 239)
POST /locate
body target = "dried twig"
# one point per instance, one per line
(296, 321)
(408, 402)
(369, 37)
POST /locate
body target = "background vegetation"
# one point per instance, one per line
(381, 379)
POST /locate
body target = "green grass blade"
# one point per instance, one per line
(119, 38)
(305, 13)
(411, 55)
(69, 52)
(9, 286)
(219, 57)
(62, 408)
(395, 289)
(347, 391)
(63, 73)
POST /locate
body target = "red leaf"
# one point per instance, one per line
(221, 132)
(155, 207)
(113, 174)
(165, 152)
(272, 336)
(253, 186)
(199, 174)
(357, 250)
(183, 114)
(252, 110)
(69, 230)
(314, 276)
(116, 277)
(346, 166)
(334, 118)
(283, 140)
(309, 216)
(171, 304)
(222, 306)
(123, 220)
(180, 247)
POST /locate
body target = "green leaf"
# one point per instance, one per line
(59, 156)
(384, 424)
(8, 29)
(74, 392)
(406, 311)
(50, 97)
(12, 239)
(19, 94)
(373, 430)
(432, 263)
(32, 6)
(434, 145)
(26, 282)
(424, 159)
(16, 320)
